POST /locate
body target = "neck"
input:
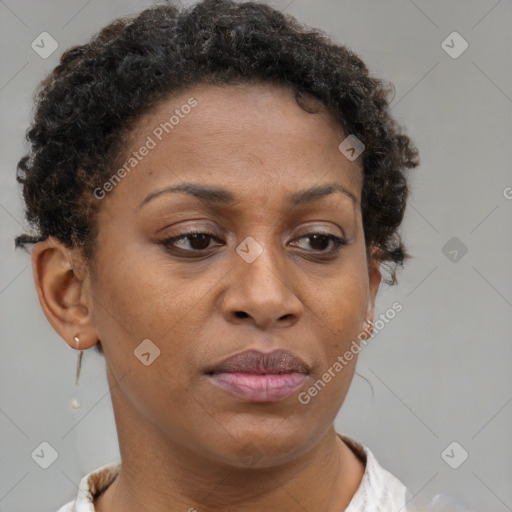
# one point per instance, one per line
(160, 474)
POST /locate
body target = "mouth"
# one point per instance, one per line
(256, 376)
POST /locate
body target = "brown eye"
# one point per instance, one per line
(196, 241)
(320, 242)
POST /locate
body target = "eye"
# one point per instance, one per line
(320, 241)
(196, 240)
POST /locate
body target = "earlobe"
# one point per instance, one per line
(59, 283)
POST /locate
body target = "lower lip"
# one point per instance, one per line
(260, 388)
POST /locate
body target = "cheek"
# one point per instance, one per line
(340, 305)
(339, 309)
(330, 381)
(142, 298)
(134, 304)
(147, 298)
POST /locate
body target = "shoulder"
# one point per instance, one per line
(379, 490)
(68, 507)
(91, 485)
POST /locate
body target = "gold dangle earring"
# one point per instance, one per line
(75, 404)
(79, 361)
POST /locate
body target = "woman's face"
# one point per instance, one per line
(260, 281)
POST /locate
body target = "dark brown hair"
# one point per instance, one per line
(99, 90)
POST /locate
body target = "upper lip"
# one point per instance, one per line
(254, 361)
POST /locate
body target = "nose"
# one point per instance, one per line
(262, 292)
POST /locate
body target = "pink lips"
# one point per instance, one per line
(260, 377)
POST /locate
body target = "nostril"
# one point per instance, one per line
(241, 314)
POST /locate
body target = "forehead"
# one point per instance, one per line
(254, 137)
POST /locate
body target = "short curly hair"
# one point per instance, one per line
(92, 99)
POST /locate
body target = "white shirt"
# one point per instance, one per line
(379, 490)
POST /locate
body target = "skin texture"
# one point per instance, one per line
(181, 436)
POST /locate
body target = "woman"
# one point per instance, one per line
(215, 191)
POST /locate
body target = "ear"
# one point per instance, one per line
(61, 284)
(375, 277)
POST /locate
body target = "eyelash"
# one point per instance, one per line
(168, 242)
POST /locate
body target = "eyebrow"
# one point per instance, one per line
(217, 195)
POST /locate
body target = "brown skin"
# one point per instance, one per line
(179, 435)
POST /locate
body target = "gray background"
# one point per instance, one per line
(440, 370)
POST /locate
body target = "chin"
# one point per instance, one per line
(269, 444)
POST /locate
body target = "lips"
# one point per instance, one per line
(260, 377)
(256, 362)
